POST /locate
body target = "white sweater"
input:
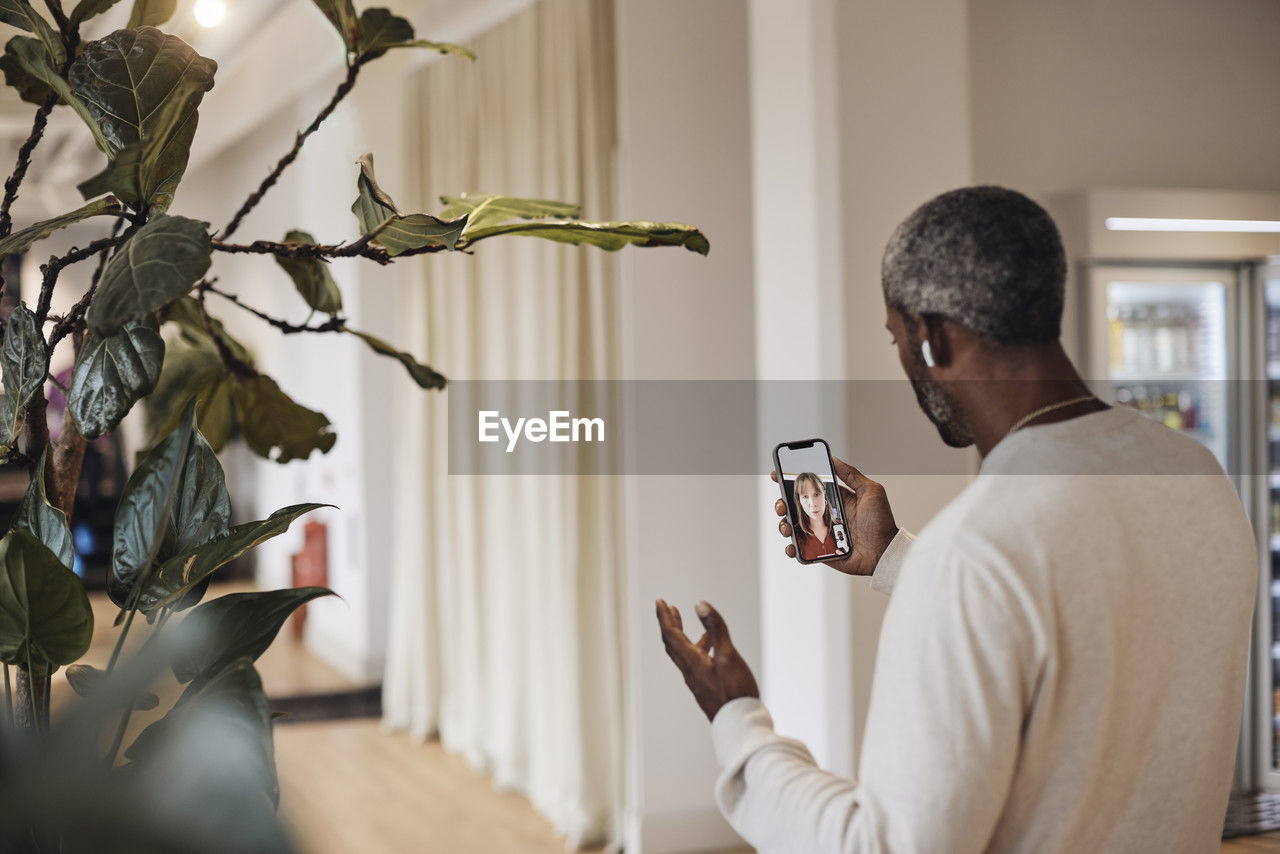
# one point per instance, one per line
(1061, 667)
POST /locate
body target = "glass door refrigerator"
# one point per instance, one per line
(1196, 345)
(1263, 473)
(1163, 340)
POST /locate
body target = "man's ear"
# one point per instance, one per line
(932, 329)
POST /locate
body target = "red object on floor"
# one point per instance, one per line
(310, 568)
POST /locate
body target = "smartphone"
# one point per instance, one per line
(812, 495)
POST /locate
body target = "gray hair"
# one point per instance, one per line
(987, 258)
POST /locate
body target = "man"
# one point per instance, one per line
(1062, 663)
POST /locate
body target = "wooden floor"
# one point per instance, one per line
(349, 786)
(1252, 844)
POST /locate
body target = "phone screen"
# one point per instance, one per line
(814, 507)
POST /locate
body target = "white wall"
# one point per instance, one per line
(1179, 93)
(682, 88)
(684, 155)
(904, 137)
(331, 373)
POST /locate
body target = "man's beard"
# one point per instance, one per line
(939, 407)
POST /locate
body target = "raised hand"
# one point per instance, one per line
(712, 668)
(867, 516)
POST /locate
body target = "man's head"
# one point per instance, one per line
(986, 259)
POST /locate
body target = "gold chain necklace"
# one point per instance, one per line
(1044, 410)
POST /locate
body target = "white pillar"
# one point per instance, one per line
(683, 155)
(904, 137)
(807, 664)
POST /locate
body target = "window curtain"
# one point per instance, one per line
(505, 633)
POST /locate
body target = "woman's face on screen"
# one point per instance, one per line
(813, 501)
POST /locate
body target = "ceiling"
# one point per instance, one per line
(66, 155)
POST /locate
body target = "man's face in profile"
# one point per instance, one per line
(936, 404)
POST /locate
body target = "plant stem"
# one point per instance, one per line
(124, 632)
(22, 703)
(24, 161)
(59, 16)
(335, 323)
(55, 265)
(353, 69)
(357, 249)
(165, 614)
(31, 681)
(63, 473)
(119, 736)
(229, 359)
(35, 428)
(71, 321)
(61, 386)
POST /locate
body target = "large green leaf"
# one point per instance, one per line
(86, 9)
(215, 413)
(192, 373)
(379, 31)
(202, 509)
(383, 223)
(21, 241)
(482, 211)
(180, 575)
(234, 697)
(143, 87)
(29, 87)
(20, 14)
(234, 703)
(151, 13)
(342, 14)
(311, 276)
(28, 58)
(611, 236)
(161, 262)
(40, 519)
(201, 512)
(142, 516)
(274, 426)
(186, 314)
(423, 375)
(238, 625)
(86, 679)
(24, 361)
(143, 175)
(44, 612)
(489, 216)
(112, 373)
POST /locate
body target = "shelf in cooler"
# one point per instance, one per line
(1136, 377)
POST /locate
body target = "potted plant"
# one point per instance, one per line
(75, 783)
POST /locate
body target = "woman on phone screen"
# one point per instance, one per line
(815, 534)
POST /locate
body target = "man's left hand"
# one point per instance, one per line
(712, 668)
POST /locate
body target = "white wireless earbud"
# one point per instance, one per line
(927, 352)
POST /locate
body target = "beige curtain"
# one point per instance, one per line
(505, 633)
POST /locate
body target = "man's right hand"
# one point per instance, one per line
(867, 518)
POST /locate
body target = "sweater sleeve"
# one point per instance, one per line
(890, 563)
(939, 747)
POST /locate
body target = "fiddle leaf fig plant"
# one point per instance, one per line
(146, 332)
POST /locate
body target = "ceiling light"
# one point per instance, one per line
(209, 13)
(1137, 223)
